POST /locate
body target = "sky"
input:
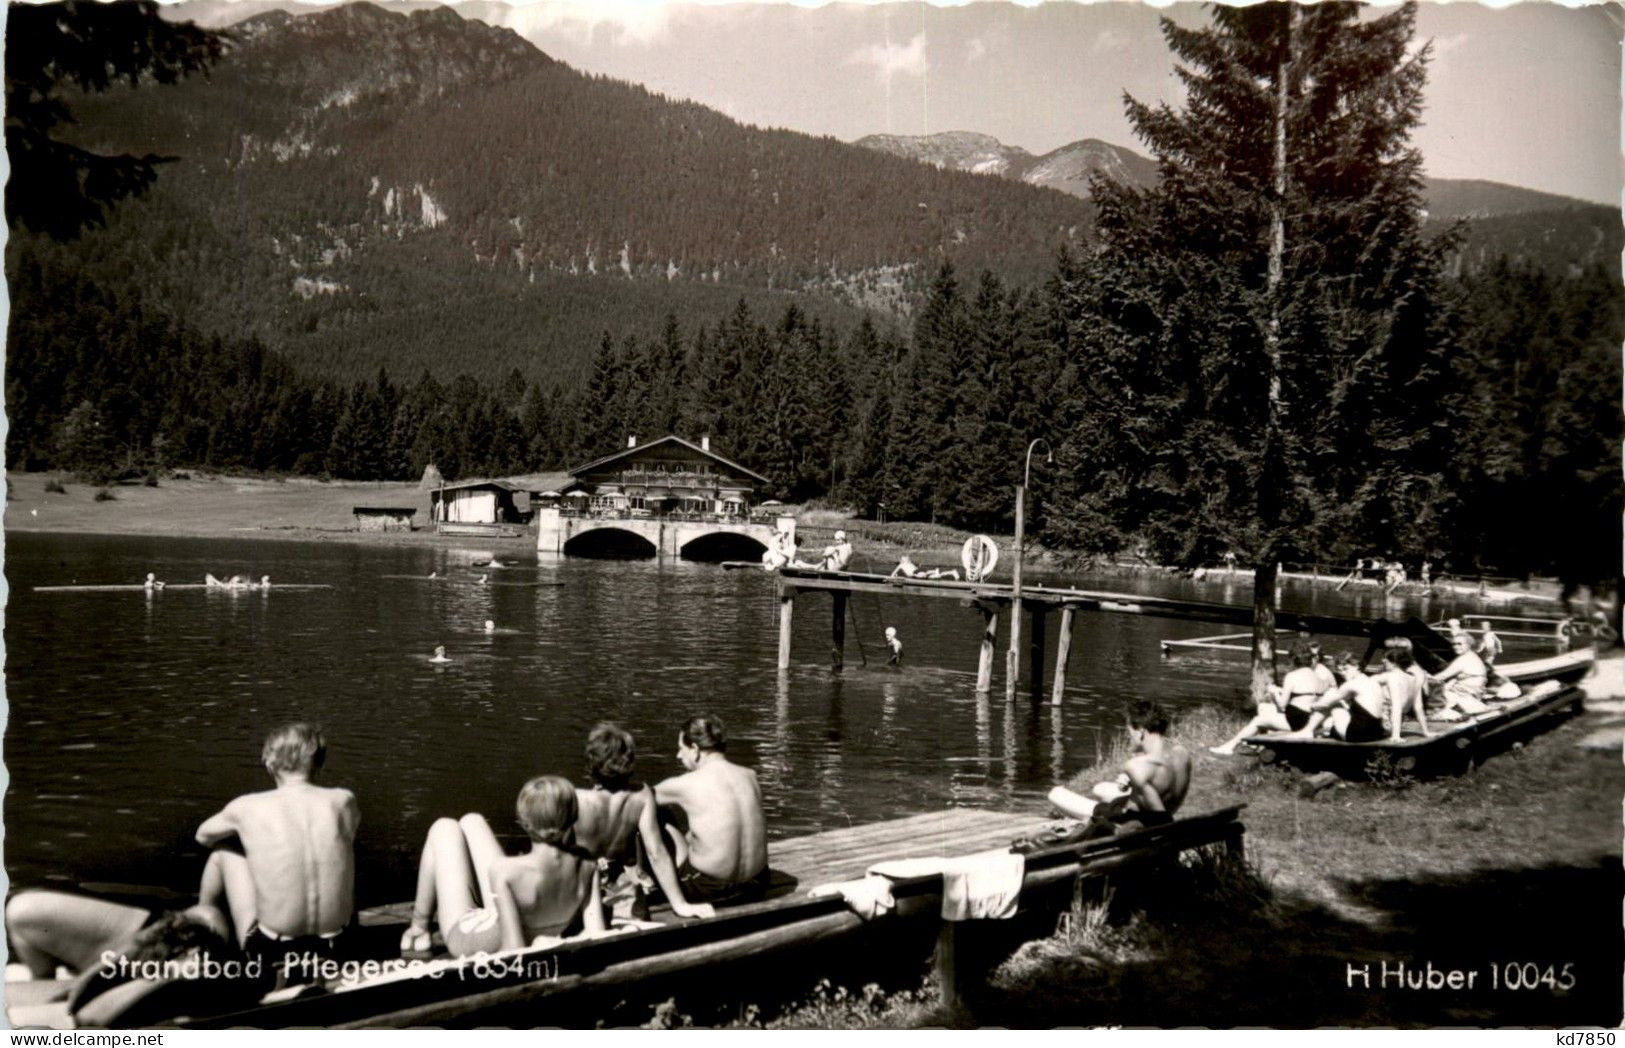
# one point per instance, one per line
(1528, 95)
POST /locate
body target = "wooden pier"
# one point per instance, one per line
(581, 977)
(989, 600)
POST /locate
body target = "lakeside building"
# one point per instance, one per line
(665, 497)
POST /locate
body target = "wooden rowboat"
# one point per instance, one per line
(1454, 746)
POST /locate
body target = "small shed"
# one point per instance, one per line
(384, 518)
(480, 502)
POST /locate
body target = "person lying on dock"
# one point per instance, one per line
(485, 901)
(714, 819)
(617, 823)
(1290, 705)
(910, 570)
(1462, 681)
(131, 966)
(283, 861)
(1354, 711)
(1153, 782)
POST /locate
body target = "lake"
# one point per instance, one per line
(135, 716)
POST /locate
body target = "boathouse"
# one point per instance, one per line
(667, 497)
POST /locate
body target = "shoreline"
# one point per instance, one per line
(300, 509)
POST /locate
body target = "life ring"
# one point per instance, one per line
(978, 556)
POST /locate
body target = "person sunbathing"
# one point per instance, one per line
(1290, 705)
(714, 819)
(282, 861)
(617, 822)
(1353, 711)
(910, 570)
(131, 966)
(485, 901)
(1404, 689)
(1462, 682)
(1153, 782)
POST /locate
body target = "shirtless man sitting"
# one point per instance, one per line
(289, 881)
(616, 823)
(721, 850)
(1153, 781)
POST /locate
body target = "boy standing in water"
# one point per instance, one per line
(288, 880)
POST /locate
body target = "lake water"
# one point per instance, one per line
(134, 716)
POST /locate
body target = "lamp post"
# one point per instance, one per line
(1012, 658)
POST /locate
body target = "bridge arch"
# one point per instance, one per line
(610, 542)
(723, 545)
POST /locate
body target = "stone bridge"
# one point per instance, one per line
(707, 538)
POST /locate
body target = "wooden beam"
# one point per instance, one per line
(837, 634)
(1036, 651)
(1062, 650)
(946, 963)
(990, 631)
(787, 605)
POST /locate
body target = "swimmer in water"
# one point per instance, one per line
(490, 626)
(440, 656)
(152, 582)
(895, 645)
(265, 582)
(482, 580)
(434, 574)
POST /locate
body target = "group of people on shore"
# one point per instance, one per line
(278, 888)
(1343, 701)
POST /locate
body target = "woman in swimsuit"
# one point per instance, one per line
(1290, 706)
(1354, 710)
(486, 901)
(1404, 689)
(1463, 679)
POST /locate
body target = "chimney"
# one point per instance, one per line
(705, 442)
(632, 440)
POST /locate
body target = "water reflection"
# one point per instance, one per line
(134, 715)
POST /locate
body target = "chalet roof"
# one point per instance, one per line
(524, 482)
(668, 439)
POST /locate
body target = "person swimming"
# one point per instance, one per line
(895, 646)
(439, 656)
(482, 580)
(434, 574)
(490, 626)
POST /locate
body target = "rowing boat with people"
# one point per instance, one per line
(1451, 747)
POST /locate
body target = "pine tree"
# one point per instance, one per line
(1269, 308)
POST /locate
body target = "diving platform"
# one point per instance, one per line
(989, 600)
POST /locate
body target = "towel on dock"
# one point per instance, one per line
(984, 886)
(868, 897)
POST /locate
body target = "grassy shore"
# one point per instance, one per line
(1515, 862)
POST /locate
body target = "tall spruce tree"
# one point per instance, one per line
(1267, 311)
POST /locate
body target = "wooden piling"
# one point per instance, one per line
(787, 603)
(837, 635)
(1062, 650)
(990, 630)
(946, 960)
(1036, 650)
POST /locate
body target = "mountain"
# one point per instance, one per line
(1542, 228)
(1067, 169)
(358, 187)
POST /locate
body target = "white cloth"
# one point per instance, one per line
(983, 886)
(868, 897)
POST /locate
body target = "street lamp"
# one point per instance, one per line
(1012, 658)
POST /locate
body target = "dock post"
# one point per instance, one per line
(990, 630)
(1062, 650)
(837, 634)
(1037, 651)
(947, 963)
(787, 604)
